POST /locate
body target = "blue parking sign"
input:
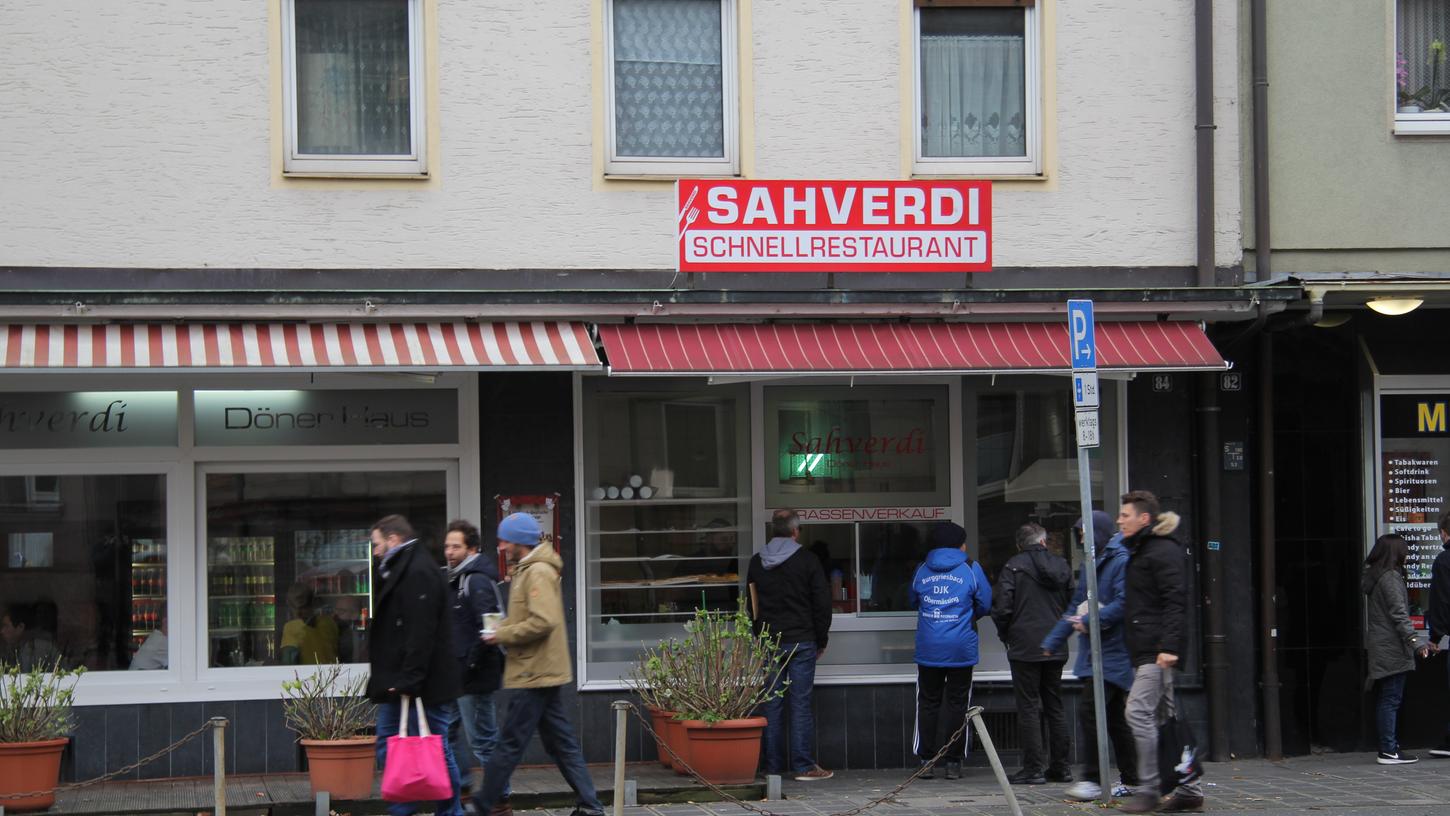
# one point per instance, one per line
(1081, 335)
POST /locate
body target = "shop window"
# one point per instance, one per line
(854, 447)
(353, 94)
(977, 91)
(665, 514)
(84, 576)
(289, 562)
(1422, 73)
(670, 87)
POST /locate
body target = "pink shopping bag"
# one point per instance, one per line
(415, 770)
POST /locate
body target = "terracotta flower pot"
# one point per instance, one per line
(659, 721)
(678, 740)
(30, 766)
(726, 752)
(341, 768)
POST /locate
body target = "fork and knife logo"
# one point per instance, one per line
(688, 213)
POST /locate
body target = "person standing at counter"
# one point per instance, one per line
(950, 593)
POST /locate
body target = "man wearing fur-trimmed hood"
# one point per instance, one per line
(1155, 599)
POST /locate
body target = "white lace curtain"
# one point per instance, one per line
(669, 86)
(1420, 23)
(973, 96)
(353, 89)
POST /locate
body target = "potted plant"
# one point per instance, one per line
(1430, 97)
(654, 687)
(721, 672)
(331, 716)
(35, 721)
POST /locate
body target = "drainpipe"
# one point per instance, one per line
(1268, 547)
(1260, 61)
(1203, 131)
(1211, 530)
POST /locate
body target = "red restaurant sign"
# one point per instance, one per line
(733, 225)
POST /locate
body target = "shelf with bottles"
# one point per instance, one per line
(312, 548)
(242, 551)
(148, 551)
(147, 614)
(148, 581)
(229, 614)
(240, 580)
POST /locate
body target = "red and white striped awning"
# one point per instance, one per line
(332, 346)
(876, 348)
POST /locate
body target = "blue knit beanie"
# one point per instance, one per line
(520, 528)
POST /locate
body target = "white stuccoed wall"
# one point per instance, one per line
(138, 134)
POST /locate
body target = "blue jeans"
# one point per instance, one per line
(800, 670)
(479, 718)
(1391, 693)
(440, 718)
(541, 710)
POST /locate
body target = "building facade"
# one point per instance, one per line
(337, 260)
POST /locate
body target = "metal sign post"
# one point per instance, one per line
(1084, 354)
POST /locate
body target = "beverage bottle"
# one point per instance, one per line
(362, 619)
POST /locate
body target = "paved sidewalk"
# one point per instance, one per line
(1346, 784)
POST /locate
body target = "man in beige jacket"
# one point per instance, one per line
(537, 664)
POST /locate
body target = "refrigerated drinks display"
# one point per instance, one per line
(242, 600)
(337, 566)
(148, 589)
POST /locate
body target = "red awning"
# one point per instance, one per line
(333, 346)
(877, 348)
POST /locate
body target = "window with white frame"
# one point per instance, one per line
(353, 88)
(670, 87)
(1422, 74)
(978, 90)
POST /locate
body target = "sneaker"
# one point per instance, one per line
(928, 771)
(1026, 777)
(1443, 751)
(1121, 791)
(954, 769)
(1397, 758)
(1178, 803)
(1084, 791)
(1139, 803)
(1061, 777)
(582, 812)
(815, 774)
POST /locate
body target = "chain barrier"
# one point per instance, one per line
(925, 768)
(70, 786)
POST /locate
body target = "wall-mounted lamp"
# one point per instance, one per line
(1394, 306)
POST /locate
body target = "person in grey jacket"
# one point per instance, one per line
(1031, 595)
(1391, 641)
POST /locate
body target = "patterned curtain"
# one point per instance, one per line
(1421, 24)
(352, 77)
(973, 100)
(669, 84)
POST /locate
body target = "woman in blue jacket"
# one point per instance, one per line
(950, 592)
(1112, 565)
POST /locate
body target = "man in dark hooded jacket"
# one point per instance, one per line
(950, 593)
(1030, 597)
(473, 579)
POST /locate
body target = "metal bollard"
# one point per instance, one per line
(621, 745)
(975, 715)
(322, 805)
(219, 765)
(772, 787)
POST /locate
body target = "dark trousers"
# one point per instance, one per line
(1387, 710)
(1038, 687)
(1119, 734)
(541, 710)
(942, 698)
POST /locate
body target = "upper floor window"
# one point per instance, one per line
(978, 90)
(353, 88)
(671, 87)
(1422, 75)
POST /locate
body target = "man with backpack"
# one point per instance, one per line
(473, 578)
(950, 593)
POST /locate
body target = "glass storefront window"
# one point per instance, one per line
(289, 563)
(84, 575)
(848, 447)
(666, 516)
(1414, 465)
(1026, 471)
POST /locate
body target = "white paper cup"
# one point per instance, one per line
(612, 492)
(626, 492)
(636, 480)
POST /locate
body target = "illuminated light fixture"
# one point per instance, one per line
(1394, 306)
(809, 462)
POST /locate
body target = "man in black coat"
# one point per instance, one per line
(1155, 601)
(412, 648)
(1439, 611)
(1031, 595)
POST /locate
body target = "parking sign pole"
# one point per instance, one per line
(1083, 341)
